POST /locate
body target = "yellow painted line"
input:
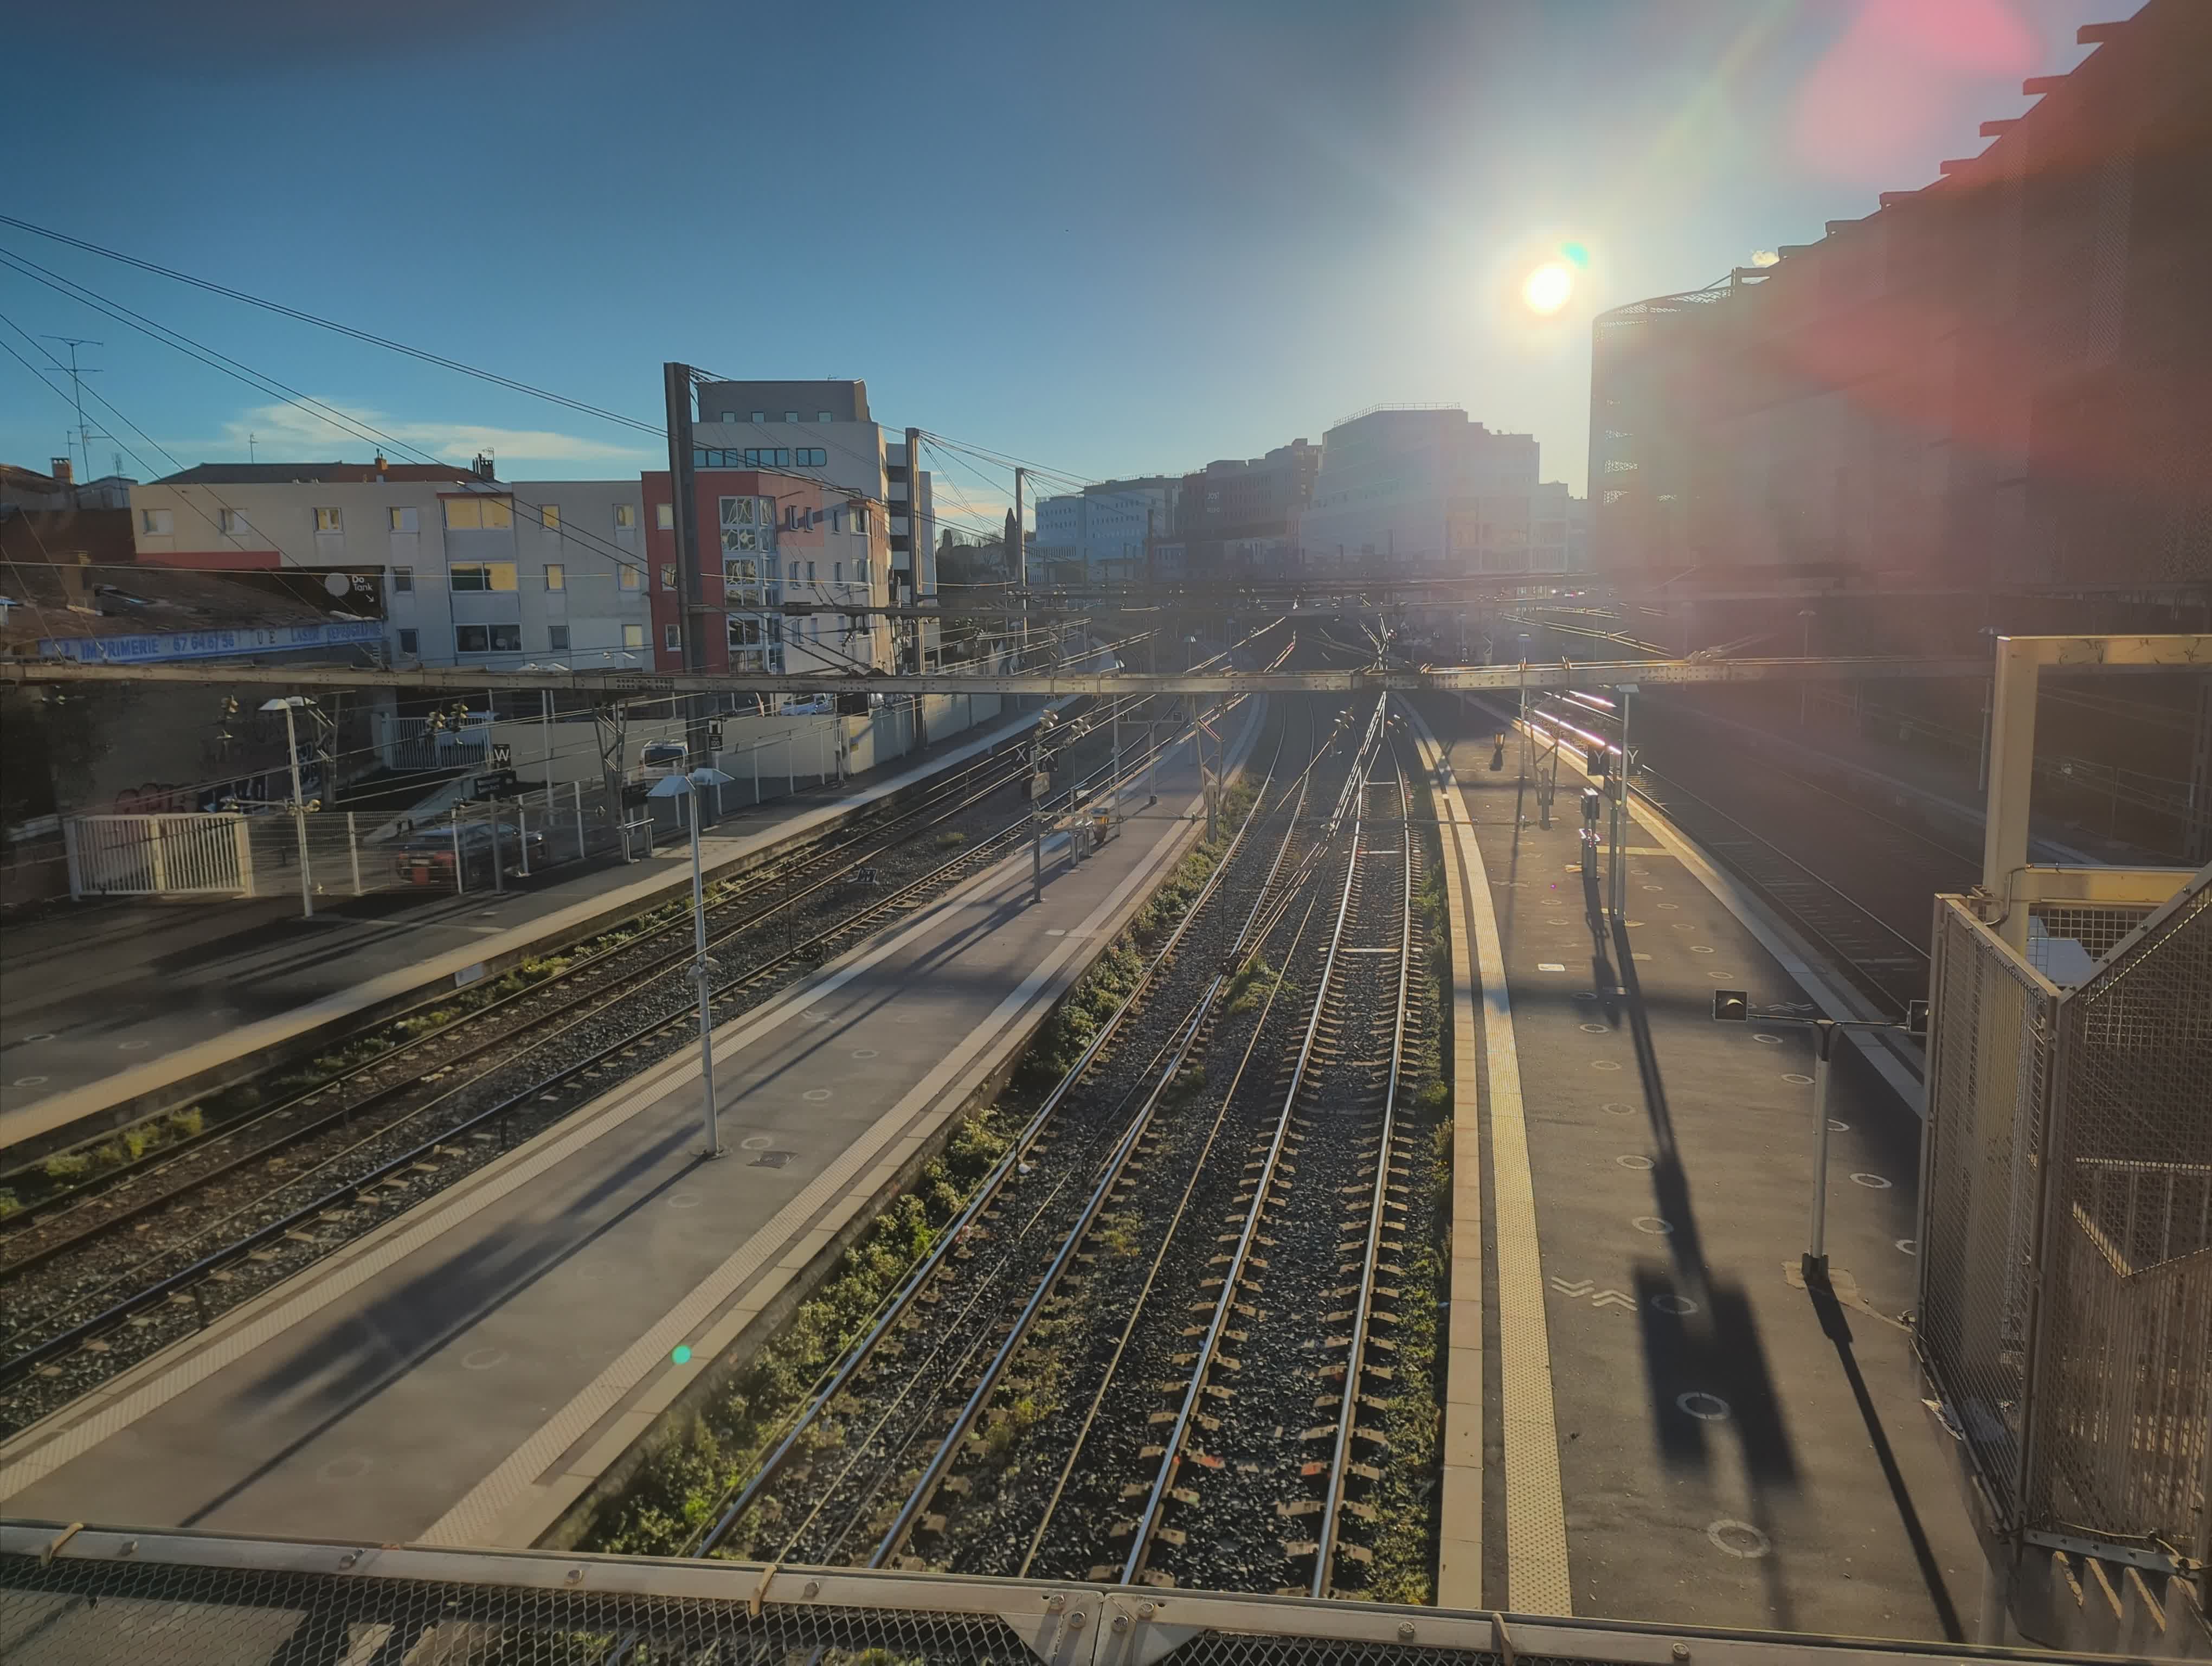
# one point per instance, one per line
(1459, 1507)
(1536, 1576)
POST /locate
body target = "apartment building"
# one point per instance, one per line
(468, 569)
(822, 431)
(768, 539)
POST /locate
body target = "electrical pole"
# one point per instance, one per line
(683, 522)
(1019, 555)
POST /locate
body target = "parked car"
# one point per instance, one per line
(809, 705)
(427, 858)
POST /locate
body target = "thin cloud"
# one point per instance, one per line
(279, 431)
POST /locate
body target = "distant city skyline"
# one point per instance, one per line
(1122, 241)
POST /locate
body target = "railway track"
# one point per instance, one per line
(1153, 1235)
(1884, 963)
(81, 1309)
(623, 958)
(851, 1476)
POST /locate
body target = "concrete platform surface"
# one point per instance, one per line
(1730, 1450)
(113, 1002)
(461, 1375)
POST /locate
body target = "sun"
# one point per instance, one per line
(1548, 287)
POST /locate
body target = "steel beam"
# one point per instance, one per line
(1558, 674)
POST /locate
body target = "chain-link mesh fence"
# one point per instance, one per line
(2122, 1404)
(2066, 1266)
(1988, 1066)
(72, 1597)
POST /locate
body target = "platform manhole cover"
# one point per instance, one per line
(772, 1159)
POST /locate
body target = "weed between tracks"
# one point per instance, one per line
(689, 1476)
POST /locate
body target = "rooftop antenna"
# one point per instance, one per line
(76, 391)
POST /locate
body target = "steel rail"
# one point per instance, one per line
(1148, 1521)
(986, 1194)
(1268, 906)
(1355, 1357)
(21, 1364)
(1280, 909)
(628, 981)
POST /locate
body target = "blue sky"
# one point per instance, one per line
(1116, 239)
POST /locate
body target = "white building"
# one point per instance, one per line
(472, 570)
(1421, 489)
(1105, 525)
(821, 430)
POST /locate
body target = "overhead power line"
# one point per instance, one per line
(321, 323)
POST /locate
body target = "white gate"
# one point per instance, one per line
(204, 854)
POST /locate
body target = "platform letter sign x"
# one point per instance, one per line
(1731, 1005)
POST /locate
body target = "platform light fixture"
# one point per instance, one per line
(685, 784)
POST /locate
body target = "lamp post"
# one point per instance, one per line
(686, 786)
(288, 704)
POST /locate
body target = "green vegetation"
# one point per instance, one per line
(951, 840)
(1253, 980)
(694, 1469)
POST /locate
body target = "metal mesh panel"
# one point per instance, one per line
(2056, 928)
(71, 1612)
(2122, 1394)
(1988, 1066)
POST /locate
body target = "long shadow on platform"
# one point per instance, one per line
(1704, 1363)
(374, 1349)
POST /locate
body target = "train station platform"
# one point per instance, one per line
(115, 1011)
(462, 1374)
(1668, 1425)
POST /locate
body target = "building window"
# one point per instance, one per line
(556, 637)
(814, 458)
(823, 416)
(668, 576)
(329, 521)
(470, 514)
(488, 639)
(549, 515)
(156, 522)
(729, 416)
(860, 521)
(741, 570)
(556, 576)
(403, 520)
(403, 579)
(760, 416)
(408, 640)
(790, 416)
(837, 572)
(810, 572)
(633, 578)
(671, 638)
(233, 522)
(633, 635)
(663, 517)
(483, 576)
(626, 514)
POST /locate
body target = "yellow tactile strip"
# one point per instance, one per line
(1537, 1580)
(1458, 1511)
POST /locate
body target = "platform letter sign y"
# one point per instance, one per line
(1731, 1005)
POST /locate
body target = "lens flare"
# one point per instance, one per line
(1548, 287)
